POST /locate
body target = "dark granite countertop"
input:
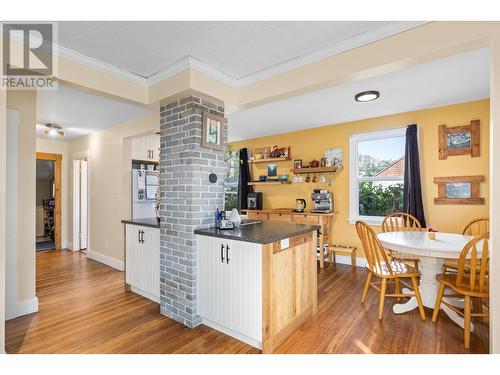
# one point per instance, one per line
(260, 232)
(151, 222)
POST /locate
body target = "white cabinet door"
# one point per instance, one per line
(211, 279)
(230, 291)
(142, 260)
(150, 280)
(137, 149)
(155, 147)
(133, 258)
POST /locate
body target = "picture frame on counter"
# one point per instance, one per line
(213, 133)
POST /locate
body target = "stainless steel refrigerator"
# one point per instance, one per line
(144, 190)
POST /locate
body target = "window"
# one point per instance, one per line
(231, 183)
(377, 162)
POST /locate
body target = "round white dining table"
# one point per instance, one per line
(431, 254)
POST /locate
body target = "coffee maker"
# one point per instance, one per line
(254, 201)
(322, 201)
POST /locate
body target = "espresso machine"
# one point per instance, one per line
(322, 201)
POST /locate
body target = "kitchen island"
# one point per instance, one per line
(257, 283)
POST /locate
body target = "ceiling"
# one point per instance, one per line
(80, 113)
(455, 79)
(236, 49)
(44, 169)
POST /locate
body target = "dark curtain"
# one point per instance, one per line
(243, 188)
(412, 195)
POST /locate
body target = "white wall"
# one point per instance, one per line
(53, 146)
(3, 113)
(109, 168)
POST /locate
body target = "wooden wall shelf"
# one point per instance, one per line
(314, 170)
(261, 183)
(269, 160)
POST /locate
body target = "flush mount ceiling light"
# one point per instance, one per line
(53, 130)
(367, 96)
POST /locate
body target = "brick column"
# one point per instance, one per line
(188, 201)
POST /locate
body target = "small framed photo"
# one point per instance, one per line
(272, 170)
(212, 131)
(297, 164)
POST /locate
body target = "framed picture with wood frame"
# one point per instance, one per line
(459, 140)
(212, 135)
(459, 190)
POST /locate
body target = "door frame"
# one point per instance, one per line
(77, 191)
(57, 159)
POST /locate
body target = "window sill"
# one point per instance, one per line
(371, 220)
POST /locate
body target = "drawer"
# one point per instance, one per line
(257, 215)
(278, 216)
(306, 219)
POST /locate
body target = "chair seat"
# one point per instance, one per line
(449, 279)
(403, 256)
(399, 269)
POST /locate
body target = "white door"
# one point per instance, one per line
(155, 147)
(83, 204)
(150, 254)
(133, 259)
(11, 230)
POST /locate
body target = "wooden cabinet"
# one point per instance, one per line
(146, 148)
(257, 215)
(142, 260)
(230, 287)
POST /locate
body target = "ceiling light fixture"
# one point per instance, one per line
(367, 96)
(53, 130)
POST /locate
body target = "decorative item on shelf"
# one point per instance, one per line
(323, 161)
(297, 163)
(459, 190)
(283, 177)
(459, 140)
(334, 157)
(262, 178)
(272, 170)
(432, 234)
(212, 131)
(262, 153)
(314, 163)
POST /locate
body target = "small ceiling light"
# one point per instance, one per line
(53, 130)
(367, 96)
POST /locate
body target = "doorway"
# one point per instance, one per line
(80, 204)
(48, 201)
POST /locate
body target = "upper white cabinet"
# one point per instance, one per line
(146, 148)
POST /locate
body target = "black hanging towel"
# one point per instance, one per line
(412, 194)
(244, 179)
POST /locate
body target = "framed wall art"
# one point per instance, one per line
(212, 135)
(459, 190)
(459, 140)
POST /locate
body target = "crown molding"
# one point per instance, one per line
(383, 32)
(190, 62)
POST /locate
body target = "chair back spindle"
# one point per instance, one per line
(477, 227)
(401, 222)
(375, 254)
(473, 264)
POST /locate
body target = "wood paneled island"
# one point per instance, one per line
(257, 283)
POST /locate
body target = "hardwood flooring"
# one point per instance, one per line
(83, 309)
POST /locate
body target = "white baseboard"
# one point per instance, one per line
(104, 259)
(25, 307)
(346, 259)
(145, 294)
(68, 246)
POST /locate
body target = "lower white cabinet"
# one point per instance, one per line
(230, 287)
(142, 260)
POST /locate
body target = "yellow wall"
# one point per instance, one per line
(310, 144)
(25, 103)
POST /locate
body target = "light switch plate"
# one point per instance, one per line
(285, 243)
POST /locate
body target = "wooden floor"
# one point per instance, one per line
(83, 309)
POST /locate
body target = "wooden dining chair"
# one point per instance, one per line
(388, 271)
(471, 282)
(474, 228)
(402, 222)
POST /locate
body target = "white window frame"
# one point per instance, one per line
(354, 180)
